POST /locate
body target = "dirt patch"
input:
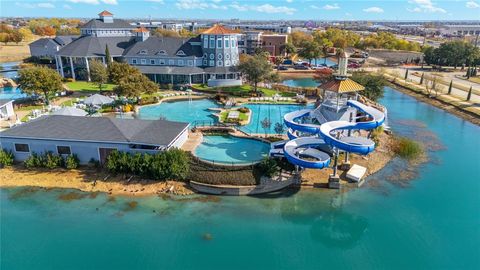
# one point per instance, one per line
(72, 196)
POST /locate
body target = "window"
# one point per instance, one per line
(190, 63)
(212, 56)
(219, 63)
(143, 61)
(234, 43)
(205, 42)
(227, 56)
(219, 43)
(64, 150)
(22, 147)
(161, 61)
(227, 43)
(180, 62)
(227, 63)
(212, 43)
(152, 61)
(212, 63)
(134, 61)
(205, 62)
(220, 56)
(171, 62)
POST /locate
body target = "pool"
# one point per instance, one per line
(181, 111)
(229, 149)
(320, 61)
(273, 112)
(11, 93)
(301, 82)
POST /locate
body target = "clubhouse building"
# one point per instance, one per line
(210, 57)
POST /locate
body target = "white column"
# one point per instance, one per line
(61, 66)
(103, 60)
(71, 68)
(56, 64)
(190, 79)
(88, 68)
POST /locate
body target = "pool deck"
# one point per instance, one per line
(194, 140)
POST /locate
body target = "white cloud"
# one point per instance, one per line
(161, 2)
(46, 5)
(472, 4)
(331, 7)
(265, 8)
(67, 6)
(94, 2)
(289, 1)
(373, 10)
(217, 1)
(35, 5)
(191, 4)
(314, 7)
(426, 6)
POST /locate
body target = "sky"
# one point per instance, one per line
(249, 9)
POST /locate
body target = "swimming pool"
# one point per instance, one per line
(181, 111)
(11, 93)
(273, 112)
(301, 82)
(229, 149)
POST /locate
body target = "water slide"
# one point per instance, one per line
(304, 151)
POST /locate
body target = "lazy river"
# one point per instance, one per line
(424, 219)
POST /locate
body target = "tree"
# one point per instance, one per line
(4, 37)
(310, 50)
(289, 48)
(297, 38)
(41, 81)
(108, 57)
(255, 69)
(98, 73)
(279, 128)
(266, 124)
(117, 71)
(135, 84)
(278, 60)
(26, 33)
(374, 84)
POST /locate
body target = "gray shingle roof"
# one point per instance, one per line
(220, 69)
(64, 40)
(95, 46)
(171, 45)
(42, 42)
(4, 101)
(170, 70)
(98, 129)
(99, 24)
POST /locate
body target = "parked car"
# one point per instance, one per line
(334, 66)
(300, 67)
(287, 62)
(354, 65)
(319, 67)
(282, 68)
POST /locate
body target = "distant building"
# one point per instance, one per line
(250, 41)
(48, 47)
(210, 57)
(275, 28)
(92, 137)
(460, 30)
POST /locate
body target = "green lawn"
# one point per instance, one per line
(29, 108)
(82, 86)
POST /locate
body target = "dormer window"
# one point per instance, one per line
(162, 52)
(181, 53)
(143, 52)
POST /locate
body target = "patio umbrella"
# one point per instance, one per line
(98, 100)
(71, 111)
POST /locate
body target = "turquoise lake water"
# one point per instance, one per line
(431, 221)
(301, 82)
(182, 111)
(229, 149)
(11, 93)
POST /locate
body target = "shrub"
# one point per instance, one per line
(244, 110)
(33, 161)
(407, 148)
(50, 160)
(6, 158)
(268, 167)
(71, 162)
(375, 135)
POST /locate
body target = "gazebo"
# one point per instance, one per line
(98, 100)
(338, 90)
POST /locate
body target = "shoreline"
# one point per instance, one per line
(438, 103)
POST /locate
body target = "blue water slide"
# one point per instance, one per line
(359, 145)
(302, 152)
